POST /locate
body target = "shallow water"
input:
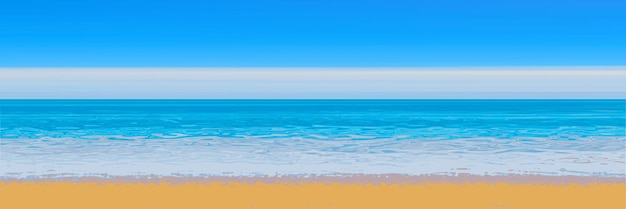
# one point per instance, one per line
(278, 137)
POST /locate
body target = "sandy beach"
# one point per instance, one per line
(361, 191)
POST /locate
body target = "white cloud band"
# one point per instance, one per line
(332, 83)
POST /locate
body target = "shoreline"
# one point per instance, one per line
(334, 178)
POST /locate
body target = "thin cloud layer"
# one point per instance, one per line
(311, 83)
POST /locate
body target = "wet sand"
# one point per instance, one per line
(342, 191)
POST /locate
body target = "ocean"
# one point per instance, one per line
(72, 138)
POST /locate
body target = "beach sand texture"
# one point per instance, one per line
(161, 194)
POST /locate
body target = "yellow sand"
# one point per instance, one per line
(309, 195)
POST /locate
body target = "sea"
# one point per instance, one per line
(76, 138)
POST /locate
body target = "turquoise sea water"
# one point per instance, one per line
(276, 137)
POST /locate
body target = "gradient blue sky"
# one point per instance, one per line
(320, 33)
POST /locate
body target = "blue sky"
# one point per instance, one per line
(320, 33)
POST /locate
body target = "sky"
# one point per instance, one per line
(307, 33)
(312, 49)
